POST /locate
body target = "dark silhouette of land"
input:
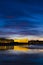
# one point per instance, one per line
(9, 43)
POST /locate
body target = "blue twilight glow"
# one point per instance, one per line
(22, 17)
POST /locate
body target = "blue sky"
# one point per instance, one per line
(21, 17)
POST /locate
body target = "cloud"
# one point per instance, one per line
(21, 17)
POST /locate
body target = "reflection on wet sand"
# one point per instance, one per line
(19, 48)
(27, 50)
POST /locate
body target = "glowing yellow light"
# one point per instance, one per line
(21, 40)
(18, 48)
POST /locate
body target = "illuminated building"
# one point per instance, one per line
(21, 40)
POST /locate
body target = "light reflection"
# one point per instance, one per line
(19, 48)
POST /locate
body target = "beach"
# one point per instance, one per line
(12, 57)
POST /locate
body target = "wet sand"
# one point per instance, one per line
(33, 57)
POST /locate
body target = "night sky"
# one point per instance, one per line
(21, 17)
